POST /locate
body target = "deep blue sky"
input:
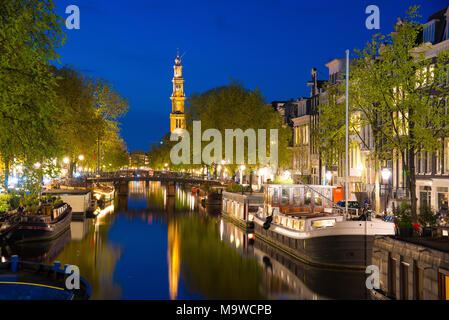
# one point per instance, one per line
(267, 44)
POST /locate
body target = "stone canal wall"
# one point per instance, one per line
(410, 271)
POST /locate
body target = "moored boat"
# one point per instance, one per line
(303, 221)
(22, 280)
(40, 227)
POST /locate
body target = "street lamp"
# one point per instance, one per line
(386, 173)
(66, 160)
(81, 157)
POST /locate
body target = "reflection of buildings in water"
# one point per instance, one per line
(79, 229)
(137, 189)
(170, 204)
(173, 257)
(287, 277)
(40, 251)
(158, 198)
(235, 236)
(279, 282)
(122, 203)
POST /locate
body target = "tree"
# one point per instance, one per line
(30, 33)
(401, 94)
(110, 106)
(234, 107)
(77, 114)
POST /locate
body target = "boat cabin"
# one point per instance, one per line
(296, 199)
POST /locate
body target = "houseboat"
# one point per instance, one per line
(78, 199)
(238, 207)
(304, 221)
(40, 226)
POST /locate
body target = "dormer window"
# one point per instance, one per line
(429, 31)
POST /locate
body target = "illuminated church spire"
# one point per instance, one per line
(177, 117)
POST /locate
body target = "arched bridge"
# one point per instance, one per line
(149, 175)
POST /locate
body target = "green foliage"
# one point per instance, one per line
(404, 214)
(396, 92)
(227, 107)
(233, 187)
(427, 217)
(90, 109)
(30, 33)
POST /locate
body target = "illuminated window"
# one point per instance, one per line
(275, 196)
(323, 223)
(296, 196)
(285, 196)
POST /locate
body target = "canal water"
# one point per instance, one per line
(149, 245)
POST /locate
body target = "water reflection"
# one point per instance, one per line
(173, 258)
(156, 245)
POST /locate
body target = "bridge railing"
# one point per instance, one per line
(146, 173)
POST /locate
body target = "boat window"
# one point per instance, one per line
(323, 223)
(296, 196)
(275, 196)
(285, 196)
(307, 197)
(318, 200)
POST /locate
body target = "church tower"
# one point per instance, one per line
(177, 117)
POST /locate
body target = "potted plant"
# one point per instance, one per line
(428, 219)
(404, 218)
(405, 228)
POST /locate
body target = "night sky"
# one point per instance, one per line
(267, 44)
